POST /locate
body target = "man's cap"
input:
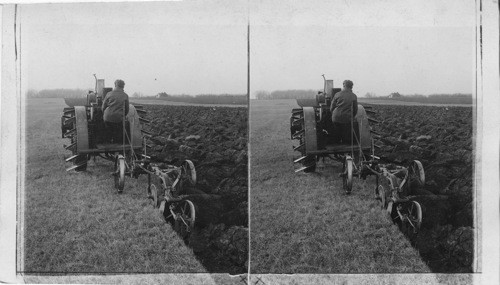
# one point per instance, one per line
(120, 83)
(348, 83)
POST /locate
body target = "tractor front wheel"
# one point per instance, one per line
(119, 174)
(347, 175)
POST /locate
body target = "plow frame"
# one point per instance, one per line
(399, 199)
(167, 192)
(169, 196)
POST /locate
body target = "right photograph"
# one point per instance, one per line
(362, 138)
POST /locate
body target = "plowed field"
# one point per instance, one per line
(215, 139)
(441, 138)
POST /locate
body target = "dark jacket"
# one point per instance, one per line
(341, 106)
(113, 105)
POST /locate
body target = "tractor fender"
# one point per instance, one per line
(307, 102)
(364, 127)
(135, 126)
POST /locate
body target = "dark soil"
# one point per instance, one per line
(442, 139)
(215, 140)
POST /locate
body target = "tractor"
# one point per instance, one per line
(82, 123)
(395, 186)
(312, 126)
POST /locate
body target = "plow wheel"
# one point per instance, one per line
(188, 172)
(185, 215)
(165, 211)
(119, 174)
(416, 174)
(412, 219)
(347, 175)
(377, 183)
(154, 195)
(382, 194)
(385, 186)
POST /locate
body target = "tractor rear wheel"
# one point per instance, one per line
(81, 160)
(298, 132)
(310, 164)
(74, 127)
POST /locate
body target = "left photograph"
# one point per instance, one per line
(134, 131)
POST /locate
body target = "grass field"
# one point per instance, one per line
(76, 222)
(303, 223)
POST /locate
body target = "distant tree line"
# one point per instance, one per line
(285, 94)
(235, 99)
(137, 95)
(457, 98)
(227, 99)
(57, 93)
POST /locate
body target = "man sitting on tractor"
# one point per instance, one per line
(115, 108)
(343, 103)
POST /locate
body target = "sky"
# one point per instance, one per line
(175, 47)
(410, 47)
(200, 47)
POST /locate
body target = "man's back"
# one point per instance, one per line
(113, 105)
(341, 106)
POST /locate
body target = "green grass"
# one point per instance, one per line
(303, 223)
(76, 222)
